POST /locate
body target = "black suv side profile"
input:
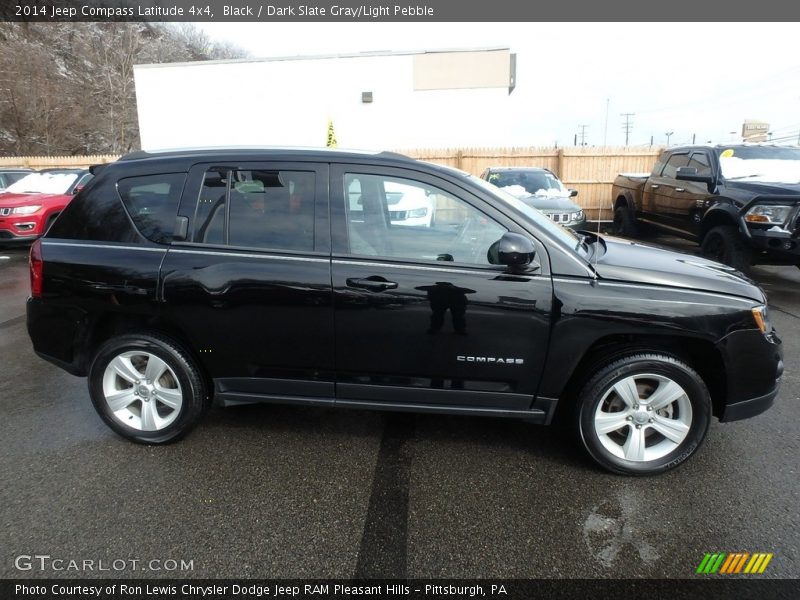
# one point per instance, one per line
(236, 276)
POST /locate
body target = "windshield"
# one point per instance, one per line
(528, 182)
(535, 216)
(43, 183)
(761, 163)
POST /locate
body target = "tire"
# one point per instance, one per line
(624, 222)
(627, 387)
(148, 406)
(49, 222)
(724, 244)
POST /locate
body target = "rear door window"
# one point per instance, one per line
(152, 203)
(257, 208)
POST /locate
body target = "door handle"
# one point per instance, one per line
(654, 186)
(680, 190)
(374, 283)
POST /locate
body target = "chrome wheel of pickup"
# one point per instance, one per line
(142, 391)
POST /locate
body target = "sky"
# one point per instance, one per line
(693, 80)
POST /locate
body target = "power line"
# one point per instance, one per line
(583, 134)
(628, 126)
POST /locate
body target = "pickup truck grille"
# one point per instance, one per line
(559, 217)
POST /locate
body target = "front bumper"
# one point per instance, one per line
(779, 247)
(749, 408)
(22, 228)
(754, 366)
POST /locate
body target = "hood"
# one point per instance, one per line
(25, 199)
(765, 188)
(552, 203)
(624, 260)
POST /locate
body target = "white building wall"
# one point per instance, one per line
(289, 102)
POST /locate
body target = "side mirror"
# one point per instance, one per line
(76, 189)
(513, 250)
(690, 174)
(572, 193)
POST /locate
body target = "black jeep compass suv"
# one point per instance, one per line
(375, 281)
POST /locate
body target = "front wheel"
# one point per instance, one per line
(147, 388)
(724, 244)
(643, 414)
(624, 222)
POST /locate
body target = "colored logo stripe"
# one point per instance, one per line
(732, 563)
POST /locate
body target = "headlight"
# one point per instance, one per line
(761, 318)
(764, 213)
(26, 210)
(417, 213)
(578, 216)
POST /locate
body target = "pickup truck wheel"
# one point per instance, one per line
(624, 222)
(724, 244)
(146, 388)
(643, 414)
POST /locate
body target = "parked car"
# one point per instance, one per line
(236, 276)
(541, 189)
(30, 205)
(408, 205)
(9, 175)
(740, 202)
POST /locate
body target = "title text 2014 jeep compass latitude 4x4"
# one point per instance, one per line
(279, 276)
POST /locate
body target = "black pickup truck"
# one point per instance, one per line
(740, 202)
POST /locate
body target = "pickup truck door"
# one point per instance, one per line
(664, 201)
(691, 196)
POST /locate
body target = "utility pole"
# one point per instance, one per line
(694, 137)
(628, 126)
(669, 135)
(583, 134)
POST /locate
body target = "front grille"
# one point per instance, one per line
(4, 212)
(559, 217)
(5, 235)
(398, 215)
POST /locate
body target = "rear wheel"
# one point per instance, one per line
(624, 222)
(724, 244)
(147, 388)
(643, 414)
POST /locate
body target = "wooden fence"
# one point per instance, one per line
(590, 170)
(47, 162)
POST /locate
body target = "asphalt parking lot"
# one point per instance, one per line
(273, 491)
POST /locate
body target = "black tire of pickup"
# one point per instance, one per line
(724, 244)
(625, 222)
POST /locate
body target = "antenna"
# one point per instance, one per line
(597, 241)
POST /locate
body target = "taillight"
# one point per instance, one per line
(37, 266)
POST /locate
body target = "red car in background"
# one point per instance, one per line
(29, 206)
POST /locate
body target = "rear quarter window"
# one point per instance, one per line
(152, 203)
(95, 214)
